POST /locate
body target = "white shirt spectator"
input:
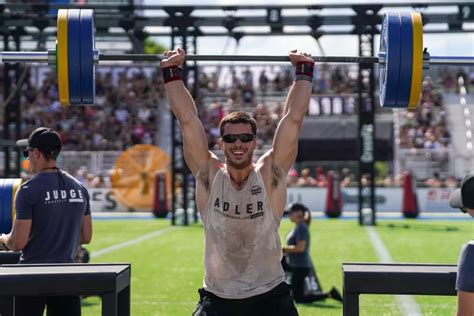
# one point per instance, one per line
(121, 114)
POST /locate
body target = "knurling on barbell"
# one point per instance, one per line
(401, 58)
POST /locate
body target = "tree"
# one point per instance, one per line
(153, 47)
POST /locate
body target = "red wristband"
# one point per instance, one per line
(304, 68)
(171, 73)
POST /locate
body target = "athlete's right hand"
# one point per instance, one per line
(174, 58)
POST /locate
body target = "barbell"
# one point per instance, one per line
(401, 58)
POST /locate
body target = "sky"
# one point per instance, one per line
(439, 45)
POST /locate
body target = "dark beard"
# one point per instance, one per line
(244, 164)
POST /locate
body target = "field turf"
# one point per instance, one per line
(167, 261)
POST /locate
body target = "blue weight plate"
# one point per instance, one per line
(87, 57)
(390, 51)
(2, 217)
(7, 204)
(74, 56)
(406, 60)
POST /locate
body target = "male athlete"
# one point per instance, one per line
(241, 202)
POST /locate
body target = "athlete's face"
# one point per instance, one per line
(296, 216)
(238, 144)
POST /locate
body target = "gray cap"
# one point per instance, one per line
(464, 196)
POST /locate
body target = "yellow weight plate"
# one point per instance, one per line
(133, 176)
(62, 58)
(417, 69)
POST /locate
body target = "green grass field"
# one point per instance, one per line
(167, 268)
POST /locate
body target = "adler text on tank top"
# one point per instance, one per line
(242, 244)
(56, 203)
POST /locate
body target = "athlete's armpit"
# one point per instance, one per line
(203, 177)
(277, 175)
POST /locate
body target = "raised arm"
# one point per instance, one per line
(196, 151)
(285, 142)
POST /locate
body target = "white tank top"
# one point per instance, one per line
(242, 244)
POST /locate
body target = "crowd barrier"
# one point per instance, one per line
(387, 199)
(333, 201)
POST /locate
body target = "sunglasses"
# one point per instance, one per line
(244, 138)
(26, 152)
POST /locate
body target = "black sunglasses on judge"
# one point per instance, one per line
(244, 138)
(26, 152)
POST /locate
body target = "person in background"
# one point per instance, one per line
(292, 178)
(321, 180)
(306, 179)
(297, 259)
(435, 181)
(52, 220)
(463, 198)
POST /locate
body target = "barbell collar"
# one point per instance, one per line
(426, 59)
(52, 57)
(96, 55)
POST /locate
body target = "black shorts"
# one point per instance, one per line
(277, 302)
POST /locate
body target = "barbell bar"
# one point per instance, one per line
(48, 57)
(401, 58)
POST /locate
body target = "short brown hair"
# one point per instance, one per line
(236, 118)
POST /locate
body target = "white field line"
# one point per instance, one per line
(130, 242)
(407, 304)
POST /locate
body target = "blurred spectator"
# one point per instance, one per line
(81, 174)
(292, 178)
(366, 180)
(435, 181)
(98, 182)
(263, 81)
(321, 180)
(451, 182)
(347, 178)
(306, 179)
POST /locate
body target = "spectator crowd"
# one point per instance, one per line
(127, 111)
(130, 100)
(426, 126)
